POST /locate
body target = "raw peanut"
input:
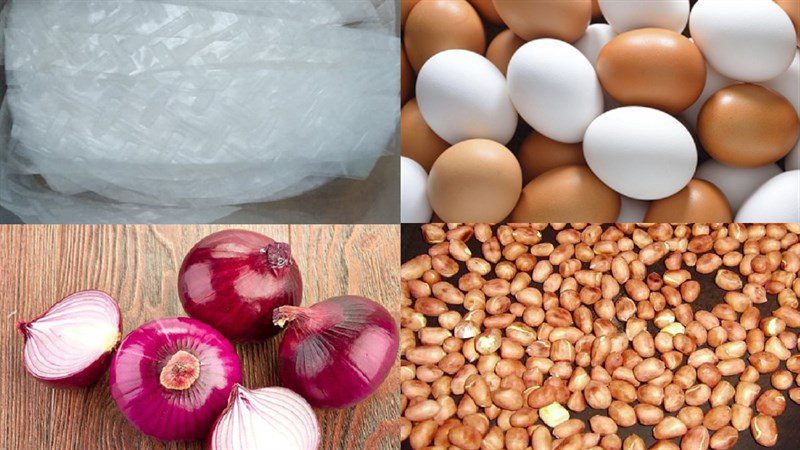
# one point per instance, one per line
(741, 416)
(541, 397)
(423, 410)
(648, 414)
(541, 439)
(771, 403)
(665, 445)
(722, 393)
(426, 354)
(465, 437)
(414, 268)
(717, 417)
(633, 442)
(603, 425)
(622, 414)
(692, 416)
(649, 369)
(508, 399)
(764, 362)
(697, 394)
(724, 438)
(764, 430)
(568, 428)
(516, 439)
(478, 390)
(696, 438)
(422, 434)
(782, 379)
(598, 395)
(669, 428)
(794, 394)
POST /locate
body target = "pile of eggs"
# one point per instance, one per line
(600, 110)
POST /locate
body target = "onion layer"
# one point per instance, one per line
(71, 343)
(336, 352)
(272, 418)
(172, 377)
(234, 279)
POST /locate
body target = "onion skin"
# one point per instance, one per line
(234, 279)
(90, 374)
(338, 351)
(169, 414)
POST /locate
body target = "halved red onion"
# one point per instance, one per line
(71, 343)
(272, 418)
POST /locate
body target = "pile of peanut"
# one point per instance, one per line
(502, 348)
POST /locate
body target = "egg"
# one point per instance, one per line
(564, 20)
(596, 12)
(746, 125)
(642, 153)
(632, 210)
(747, 40)
(788, 83)
(652, 67)
(477, 180)
(595, 38)
(487, 10)
(792, 8)
(406, 78)
(567, 194)
(502, 48)
(539, 154)
(417, 140)
(555, 89)
(414, 206)
(462, 95)
(714, 82)
(777, 200)
(436, 25)
(634, 14)
(699, 201)
(737, 183)
(405, 9)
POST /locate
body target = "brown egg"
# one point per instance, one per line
(502, 48)
(746, 125)
(406, 78)
(487, 11)
(437, 25)
(405, 8)
(417, 140)
(699, 201)
(567, 194)
(539, 154)
(652, 67)
(477, 180)
(792, 8)
(560, 19)
(596, 13)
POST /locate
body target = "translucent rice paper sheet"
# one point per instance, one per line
(145, 108)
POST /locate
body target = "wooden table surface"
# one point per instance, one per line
(138, 265)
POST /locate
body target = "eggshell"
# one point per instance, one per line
(747, 40)
(567, 194)
(777, 201)
(417, 140)
(737, 183)
(406, 78)
(714, 82)
(564, 20)
(436, 25)
(652, 67)
(475, 181)
(596, 11)
(634, 14)
(699, 201)
(792, 8)
(555, 89)
(632, 210)
(640, 152)
(539, 154)
(595, 38)
(502, 48)
(487, 10)
(405, 8)
(414, 206)
(462, 95)
(788, 83)
(747, 125)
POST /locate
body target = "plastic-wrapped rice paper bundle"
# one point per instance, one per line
(177, 111)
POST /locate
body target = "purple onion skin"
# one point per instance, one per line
(166, 414)
(229, 281)
(336, 371)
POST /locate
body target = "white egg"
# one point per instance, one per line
(596, 37)
(747, 40)
(714, 82)
(555, 89)
(632, 210)
(642, 153)
(737, 183)
(462, 95)
(793, 158)
(788, 83)
(634, 14)
(776, 201)
(414, 205)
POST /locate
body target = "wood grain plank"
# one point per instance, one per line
(138, 265)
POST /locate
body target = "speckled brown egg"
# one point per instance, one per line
(652, 67)
(559, 19)
(596, 12)
(699, 201)
(405, 8)
(502, 48)
(792, 8)
(539, 154)
(567, 194)
(477, 180)
(487, 11)
(406, 78)
(437, 25)
(746, 125)
(417, 140)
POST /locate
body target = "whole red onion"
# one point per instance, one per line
(71, 343)
(171, 377)
(336, 352)
(234, 279)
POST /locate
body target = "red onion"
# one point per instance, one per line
(267, 418)
(71, 343)
(172, 377)
(234, 279)
(336, 352)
